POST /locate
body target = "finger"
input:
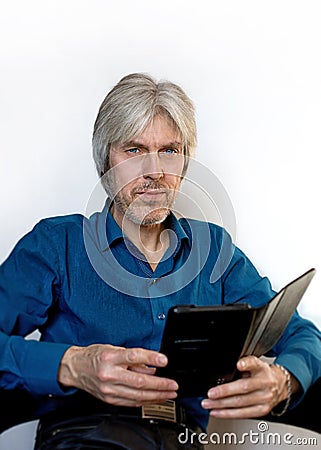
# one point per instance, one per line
(143, 381)
(136, 356)
(136, 396)
(118, 375)
(148, 357)
(236, 401)
(143, 369)
(241, 413)
(250, 364)
(239, 387)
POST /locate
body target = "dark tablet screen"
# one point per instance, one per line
(203, 345)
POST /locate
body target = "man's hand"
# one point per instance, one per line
(117, 375)
(260, 389)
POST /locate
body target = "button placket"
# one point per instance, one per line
(157, 303)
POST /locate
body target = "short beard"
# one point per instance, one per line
(154, 217)
(141, 213)
(136, 214)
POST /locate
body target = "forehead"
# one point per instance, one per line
(160, 131)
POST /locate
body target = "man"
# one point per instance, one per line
(99, 289)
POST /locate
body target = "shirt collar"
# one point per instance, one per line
(109, 231)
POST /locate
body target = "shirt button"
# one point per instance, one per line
(154, 281)
(161, 316)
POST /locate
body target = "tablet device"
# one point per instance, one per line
(203, 345)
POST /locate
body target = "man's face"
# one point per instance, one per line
(145, 174)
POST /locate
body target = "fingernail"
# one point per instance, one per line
(211, 393)
(206, 403)
(173, 395)
(161, 359)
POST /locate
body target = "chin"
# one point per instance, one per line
(152, 218)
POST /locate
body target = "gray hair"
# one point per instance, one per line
(131, 105)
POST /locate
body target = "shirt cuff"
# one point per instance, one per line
(296, 365)
(40, 365)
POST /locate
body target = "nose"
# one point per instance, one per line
(152, 167)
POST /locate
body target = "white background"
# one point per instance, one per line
(253, 70)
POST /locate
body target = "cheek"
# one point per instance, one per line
(126, 172)
(173, 182)
(122, 179)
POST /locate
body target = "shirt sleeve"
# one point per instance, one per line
(299, 348)
(29, 286)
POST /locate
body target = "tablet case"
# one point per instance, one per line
(204, 343)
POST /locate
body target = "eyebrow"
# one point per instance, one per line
(173, 144)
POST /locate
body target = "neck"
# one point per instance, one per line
(151, 240)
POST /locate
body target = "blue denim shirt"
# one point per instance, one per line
(80, 281)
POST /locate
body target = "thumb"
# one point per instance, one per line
(248, 364)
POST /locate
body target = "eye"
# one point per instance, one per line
(133, 151)
(170, 151)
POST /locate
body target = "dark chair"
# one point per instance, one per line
(17, 407)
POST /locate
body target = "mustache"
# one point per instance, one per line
(150, 185)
